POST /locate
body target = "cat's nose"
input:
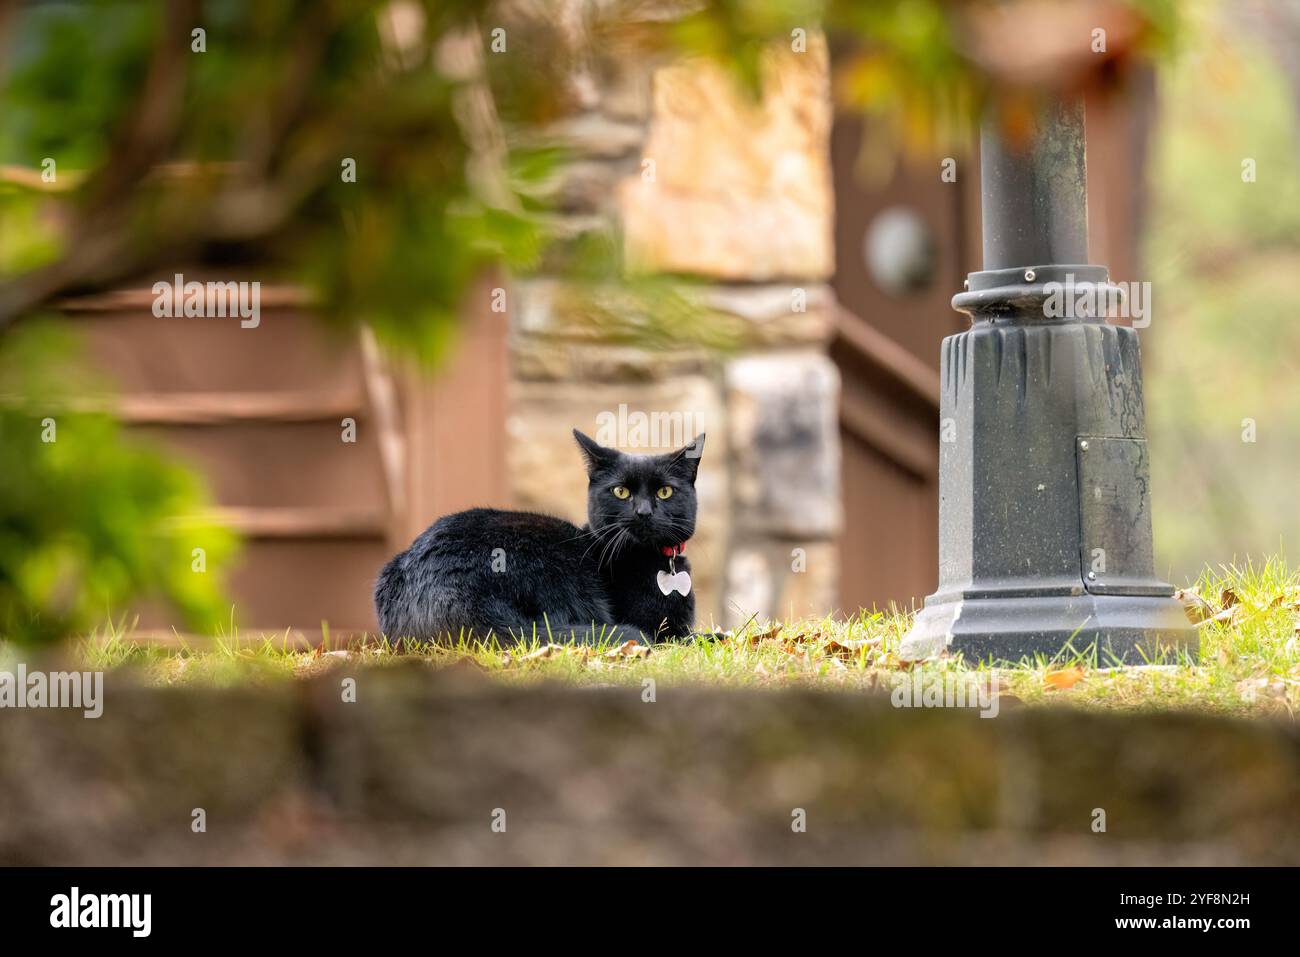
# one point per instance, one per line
(643, 507)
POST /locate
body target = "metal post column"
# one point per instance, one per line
(1044, 490)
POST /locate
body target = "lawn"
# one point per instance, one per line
(1248, 618)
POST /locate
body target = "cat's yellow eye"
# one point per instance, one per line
(621, 491)
(665, 492)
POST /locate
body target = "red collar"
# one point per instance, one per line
(672, 551)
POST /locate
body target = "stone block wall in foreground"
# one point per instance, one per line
(416, 769)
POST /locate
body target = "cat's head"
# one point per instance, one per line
(651, 496)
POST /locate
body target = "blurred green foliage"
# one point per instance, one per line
(89, 520)
(256, 129)
(85, 63)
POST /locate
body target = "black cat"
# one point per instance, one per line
(520, 575)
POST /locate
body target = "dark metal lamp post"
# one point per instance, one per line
(1045, 507)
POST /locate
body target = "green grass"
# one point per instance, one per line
(1249, 660)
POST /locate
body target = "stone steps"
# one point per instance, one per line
(261, 413)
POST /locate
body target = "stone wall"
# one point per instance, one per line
(418, 767)
(691, 177)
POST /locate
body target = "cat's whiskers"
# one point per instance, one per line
(679, 527)
(585, 532)
(615, 543)
(598, 536)
(626, 539)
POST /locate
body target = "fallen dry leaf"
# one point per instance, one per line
(546, 651)
(1228, 614)
(629, 649)
(1195, 607)
(815, 636)
(760, 637)
(1064, 679)
(850, 648)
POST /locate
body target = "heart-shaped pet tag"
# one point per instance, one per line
(680, 582)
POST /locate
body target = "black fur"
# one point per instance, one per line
(551, 579)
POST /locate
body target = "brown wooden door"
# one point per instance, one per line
(887, 350)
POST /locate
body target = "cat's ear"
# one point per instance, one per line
(686, 461)
(595, 454)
